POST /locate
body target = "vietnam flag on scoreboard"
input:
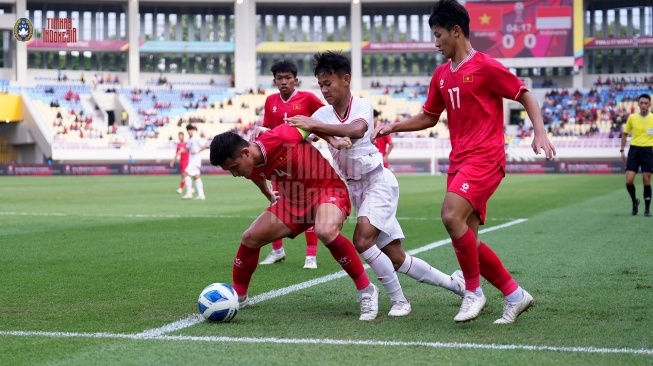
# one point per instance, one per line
(553, 17)
(485, 19)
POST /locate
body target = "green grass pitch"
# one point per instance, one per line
(91, 264)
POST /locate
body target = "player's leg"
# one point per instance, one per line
(311, 248)
(277, 254)
(188, 181)
(376, 198)
(328, 222)
(263, 230)
(421, 271)
(199, 186)
(632, 167)
(182, 182)
(455, 212)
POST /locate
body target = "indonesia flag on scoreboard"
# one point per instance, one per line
(553, 17)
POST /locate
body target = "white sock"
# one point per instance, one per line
(423, 272)
(516, 296)
(384, 271)
(200, 187)
(189, 184)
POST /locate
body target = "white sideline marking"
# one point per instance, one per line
(177, 216)
(640, 351)
(192, 320)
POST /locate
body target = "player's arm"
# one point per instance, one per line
(389, 148)
(262, 184)
(419, 122)
(354, 130)
(540, 139)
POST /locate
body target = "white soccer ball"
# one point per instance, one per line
(218, 302)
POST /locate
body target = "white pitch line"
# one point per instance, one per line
(192, 320)
(638, 351)
(178, 216)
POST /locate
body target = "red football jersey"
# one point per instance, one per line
(473, 96)
(300, 103)
(183, 158)
(297, 167)
(382, 144)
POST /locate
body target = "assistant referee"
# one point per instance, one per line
(640, 153)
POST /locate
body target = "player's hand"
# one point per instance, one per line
(302, 122)
(274, 197)
(385, 159)
(343, 143)
(258, 131)
(172, 163)
(542, 142)
(380, 131)
(623, 156)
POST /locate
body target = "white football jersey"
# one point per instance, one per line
(194, 145)
(363, 157)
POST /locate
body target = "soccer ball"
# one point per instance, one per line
(218, 302)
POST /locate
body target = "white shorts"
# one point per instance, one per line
(192, 170)
(376, 197)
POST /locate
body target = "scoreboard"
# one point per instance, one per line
(536, 28)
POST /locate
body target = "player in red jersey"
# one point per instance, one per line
(182, 154)
(287, 103)
(471, 87)
(383, 143)
(310, 193)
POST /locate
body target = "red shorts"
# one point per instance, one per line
(183, 167)
(476, 182)
(299, 217)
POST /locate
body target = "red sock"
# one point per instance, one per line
(311, 242)
(343, 252)
(244, 266)
(182, 184)
(465, 248)
(493, 270)
(277, 244)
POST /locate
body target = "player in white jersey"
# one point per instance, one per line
(347, 124)
(195, 146)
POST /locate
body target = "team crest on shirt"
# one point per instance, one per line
(274, 109)
(441, 83)
(281, 158)
(296, 106)
(469, 78)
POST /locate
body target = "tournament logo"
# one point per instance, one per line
(23, 30)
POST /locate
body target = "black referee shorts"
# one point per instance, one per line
(640, 156)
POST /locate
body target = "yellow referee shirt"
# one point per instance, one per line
(642, 128)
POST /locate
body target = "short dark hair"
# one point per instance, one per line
(376, 113)
(449, 13)
(190, 127)
(645, 96)
(283, 66)
(331, 62)
(226, 145)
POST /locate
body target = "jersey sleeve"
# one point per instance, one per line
(284, 133)
(316, 103)
(267, 112)
(434, 104)
(363, 111)
(502, 82)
